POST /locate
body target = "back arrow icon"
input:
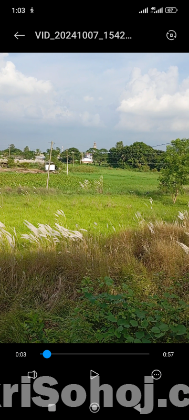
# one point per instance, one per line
(16, 35)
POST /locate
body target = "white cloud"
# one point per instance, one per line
(13, 82)
(27, 97)
(88, 98)
(154, 100)
(100, 98)
(88, 119)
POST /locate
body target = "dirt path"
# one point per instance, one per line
(22, 170)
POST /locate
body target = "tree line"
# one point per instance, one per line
(173, 164)
(138, 155)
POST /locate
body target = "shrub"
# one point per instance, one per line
(122, 318)
(10, 162)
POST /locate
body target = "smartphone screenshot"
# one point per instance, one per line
(94, 209)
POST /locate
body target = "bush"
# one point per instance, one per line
(11, 163)
(145, 168)
(25, 165)
(122, 318)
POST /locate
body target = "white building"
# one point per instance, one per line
(88, 157)
(40, 158)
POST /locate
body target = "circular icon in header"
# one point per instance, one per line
(171, 35)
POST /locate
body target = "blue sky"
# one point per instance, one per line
(77, 99)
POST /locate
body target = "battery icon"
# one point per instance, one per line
(171, 10)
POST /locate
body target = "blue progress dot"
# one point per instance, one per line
(47, 354)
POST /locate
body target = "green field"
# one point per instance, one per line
(118, 254)
(24, 197)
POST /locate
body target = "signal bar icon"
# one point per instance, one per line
(157, 11)
(144, 10)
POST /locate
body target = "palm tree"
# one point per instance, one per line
(38, 152)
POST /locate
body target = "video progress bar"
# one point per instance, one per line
(47, 353)
(101, 354)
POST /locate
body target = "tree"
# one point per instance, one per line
(77, 155)
(119, 145)
(29, 154)
(115, 156)
(26, 149)
(102, 156)
(38, 152)
(95, 154)
(16, 153)
(176, 171)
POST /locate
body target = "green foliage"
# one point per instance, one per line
(122, 318)
(10, 162)
(25, 165)
(76, 155)
(34, 330)
(176, 171)
(137, 155)
(99, 155)
(28, 154)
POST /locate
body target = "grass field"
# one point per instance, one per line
(124, 280)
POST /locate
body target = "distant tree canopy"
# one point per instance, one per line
(16, 153)
(76, 155)
(175, 174)
(29, 154)
(26, 149)
(99, 155)
(12, 146)
(37, 152)
(136, 155)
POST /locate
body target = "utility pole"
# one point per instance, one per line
(67, 161)
(49, 165)
(81, 157)
(9, 150)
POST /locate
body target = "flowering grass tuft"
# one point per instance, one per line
(45, 231)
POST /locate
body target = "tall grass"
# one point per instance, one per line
(44, 275)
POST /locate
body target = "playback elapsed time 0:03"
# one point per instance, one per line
(83, 35)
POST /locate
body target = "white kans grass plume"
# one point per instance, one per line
(45, 231)
(151, 226)
(151, 201)
(4, 235)
(59, 213)
(98, 184)
(183, 246)
(140, 219)
(182, 216)
(86, 184)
